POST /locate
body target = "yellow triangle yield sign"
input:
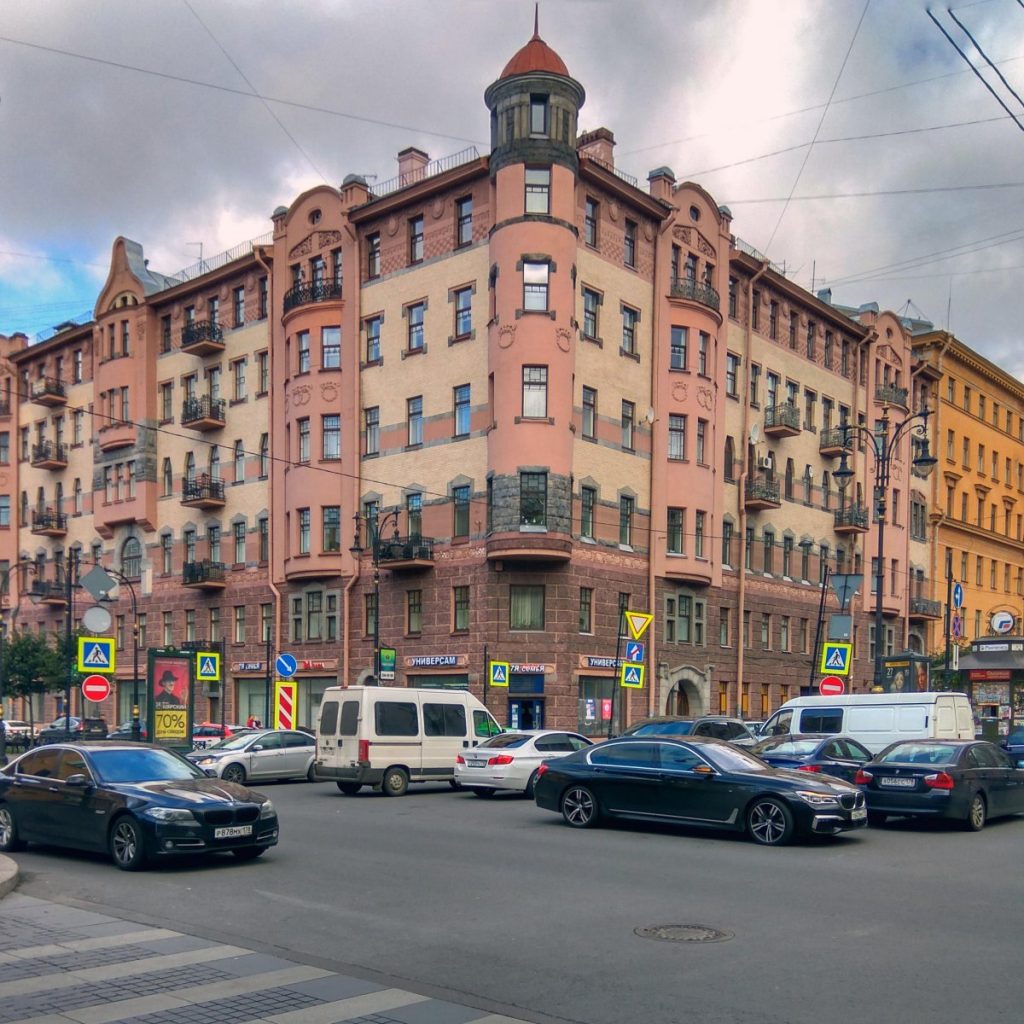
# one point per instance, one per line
(638, 623)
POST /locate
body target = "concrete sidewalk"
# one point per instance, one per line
(63, 965)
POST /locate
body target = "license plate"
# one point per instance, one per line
(897, 783)
(232, 832)
(859, 814)
(475, 764)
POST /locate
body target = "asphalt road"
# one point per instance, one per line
(453, 894)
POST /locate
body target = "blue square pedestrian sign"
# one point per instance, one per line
(499, 673)
(631, 675)
(208, 666)
(96, 654)
(835, 658)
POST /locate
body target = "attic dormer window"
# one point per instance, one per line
(539, 115)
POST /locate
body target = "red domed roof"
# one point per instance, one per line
(536, 55)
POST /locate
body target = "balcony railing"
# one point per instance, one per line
(50, 523)
(205, 410)
(892, 395)
(834, 441)
(782, 419)
(757, 491)
(853, 517)
(202, 336)
(202, 490)
(49, 391)
(48, 592)
(406, 549)
(925, 607)
(316, 291)
(204, 573)
(695, 291)
(49, 455)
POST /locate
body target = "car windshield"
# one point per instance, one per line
(506, 739)
(785, 745)
(232, 742)
(1014, 737)
(663, 729)
(920, 753)
(732, 759)
(142, 765)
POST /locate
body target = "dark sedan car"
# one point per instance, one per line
(968, 781)
(74, 730)
(699, 782)
(839, 756)
(717, 727)
(136, 802)
(1014, 744)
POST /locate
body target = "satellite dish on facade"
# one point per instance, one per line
(650, 414)
(755, 433)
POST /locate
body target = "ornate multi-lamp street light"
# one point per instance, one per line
(883, 445)
(375, 527)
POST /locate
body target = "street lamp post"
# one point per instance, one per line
(24, 563)
(882, 444)
(70, 582)
(136, 717)
(375, 526)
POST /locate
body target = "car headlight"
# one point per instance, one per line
(267, 809)
(176, 814)
(206, 760)
(816, 798)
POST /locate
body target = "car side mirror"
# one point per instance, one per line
(704, 771)
(257, 746)
(78, 781)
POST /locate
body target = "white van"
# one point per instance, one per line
(877, 719)
(391, 736)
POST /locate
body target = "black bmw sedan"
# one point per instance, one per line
(697, 782)
(135, 801)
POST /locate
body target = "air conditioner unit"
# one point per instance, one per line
(764, 462)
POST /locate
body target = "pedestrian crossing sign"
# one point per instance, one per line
(500, 673)
(96, 654)
(835, 659)
(208, 666)
(632, 675)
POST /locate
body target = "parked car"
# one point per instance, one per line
(17, 732)
(80, 729)
(263, 754)
(207, 733)
(699, 782)
(968, 781)
(1014, 744)
(511, 761)
(714, 726)
(838, 756)
(124, 731)
(136, 802)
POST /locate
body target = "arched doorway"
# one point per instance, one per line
(687, 694)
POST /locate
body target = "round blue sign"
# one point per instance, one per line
(958, 595)
(286, 665)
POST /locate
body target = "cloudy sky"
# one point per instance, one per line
(852, 142)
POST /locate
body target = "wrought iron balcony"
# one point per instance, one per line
(695, 291)
(316, 291)
(834, 442)
(203, 413)
(202, 492)
(852, 519)
(49, 455)
(49, 391)
(760, 493)
(406, 552)
(202, 337)
(782, 420)
(50, 523)
(5, 407)
(51, 592)
(205, 575)
(925, 608)
(892, 395)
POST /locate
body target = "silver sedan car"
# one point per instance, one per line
(510, 760)
(266, 754)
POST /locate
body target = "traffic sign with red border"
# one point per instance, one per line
(95, 688)
(831, 686)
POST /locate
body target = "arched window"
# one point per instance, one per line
(789, 480)
(826, 495)
(190, 468)
(239, 462)
(40, 500)
(808, 483)
(78, 496)
(131, 557)
(58, 498)
(167, 478)
(264, 456)
(215, 463)
(24, 508)
(730, 459)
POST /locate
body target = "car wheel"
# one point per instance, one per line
(483, 791)
(233, 773)
(531, 784)
(9, 841)
(311, 773)
(976, 814)
(395, 782)
(454, 783)
(349, 788)
(579, 807)
(249, 852)
(127, 848)
(877, 820)
(770, 822)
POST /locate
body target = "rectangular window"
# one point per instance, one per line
(675, 531)
(460, 609)
(591, 302)
(678, 350)
(238, 306)
(168, 628)
(461, 413)
(773, 319)
(165, 336)
(414, 420)
(303, 425)
(627, 505)
(676, 436)
(463, 312)
(733, 295)
(628, 422)
(414, 514)
(304, 531)
(330, 348)
(538, 189)
(727, 544)
(302, 345)
(373, 255)
(332, 436)
(698, 534)
(703, 348)
(630, 318)
(416, 239)
(591, 210)
(373, 326)
(702, 430)
(414, 314)
(629, 244)
(590, 413)
(732, 373)
(526, 607)
(586, 624)
(238, 392)
(535, 286)
(588, 501)
(538, 115)
(463, 221)
(535, 392)
(533, 499)
(372, 421)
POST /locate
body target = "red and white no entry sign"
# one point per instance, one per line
(831, 686)
(95, 688)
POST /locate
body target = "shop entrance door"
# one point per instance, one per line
(525, 713)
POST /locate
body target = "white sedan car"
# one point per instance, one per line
(510, 761)
(267, 754)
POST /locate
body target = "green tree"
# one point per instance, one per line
(31, 665)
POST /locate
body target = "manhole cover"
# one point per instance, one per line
(683, 933)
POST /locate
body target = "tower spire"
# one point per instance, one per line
(536, 21)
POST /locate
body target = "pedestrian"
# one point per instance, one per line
(250, 722)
